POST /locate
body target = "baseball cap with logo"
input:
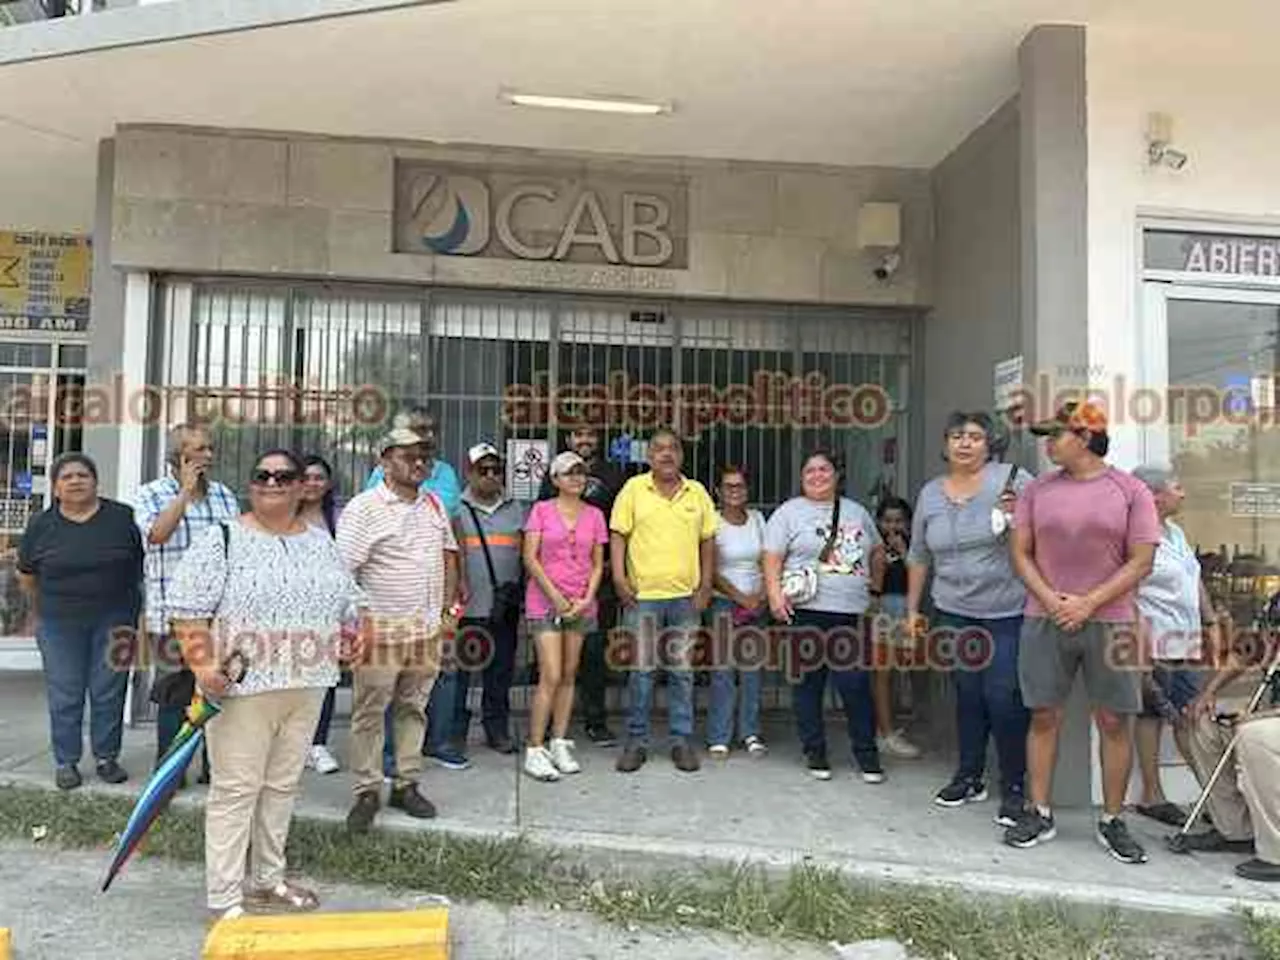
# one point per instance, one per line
(1076, 417)
(566, 461)
(480, 451)
(400, 437)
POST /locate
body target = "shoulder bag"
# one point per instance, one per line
(507, 597)
(801, 586)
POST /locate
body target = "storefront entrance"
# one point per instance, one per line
(318, 368)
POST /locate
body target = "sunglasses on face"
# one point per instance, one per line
(489, 471)
(280, 477)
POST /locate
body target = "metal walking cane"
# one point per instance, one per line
(1177, 843)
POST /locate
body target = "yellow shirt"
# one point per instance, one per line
(663, 535)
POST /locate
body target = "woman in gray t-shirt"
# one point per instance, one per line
(961, 532)
(828, 634)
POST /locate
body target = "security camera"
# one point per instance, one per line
(1162, 154)
(889, 265)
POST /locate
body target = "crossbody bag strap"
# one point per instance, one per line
(824, 556)
(488, 560)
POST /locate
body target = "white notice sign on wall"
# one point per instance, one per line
(1008, 379)
(526, 466)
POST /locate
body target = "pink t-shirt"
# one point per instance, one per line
(1084, 531)
(565, 554)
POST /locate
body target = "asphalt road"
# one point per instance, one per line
(155, 912)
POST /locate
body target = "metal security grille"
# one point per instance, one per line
(320, 368)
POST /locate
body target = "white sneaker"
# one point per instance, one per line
(718, 751)
(897, 745)
(537, 764)
(562, 756)
(756, 747)
(321, 760)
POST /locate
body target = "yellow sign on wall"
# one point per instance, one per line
(44, 277)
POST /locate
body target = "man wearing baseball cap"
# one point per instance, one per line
(398, 542)
(490, 531)
(1084, 538)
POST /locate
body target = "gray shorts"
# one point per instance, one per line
(1049, 658)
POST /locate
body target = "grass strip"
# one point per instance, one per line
(809, 903)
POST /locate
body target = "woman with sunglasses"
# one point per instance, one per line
(564, 554)
(272, 590)
(319, 509)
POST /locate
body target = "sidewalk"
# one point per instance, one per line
(768, 812)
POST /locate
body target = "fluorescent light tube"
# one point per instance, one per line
(633, 107)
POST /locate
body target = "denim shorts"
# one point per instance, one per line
(583, 625)
(1179, 684)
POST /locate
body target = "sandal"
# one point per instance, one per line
(283, 898)
(1167, 813)
(230, 913)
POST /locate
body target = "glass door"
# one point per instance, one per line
(1221, 359)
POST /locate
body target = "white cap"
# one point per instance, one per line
(482, 450)
(566, 461)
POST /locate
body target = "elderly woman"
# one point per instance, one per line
(960, 530)
(81, 563)
(273, 590)
(1177, 617)
(822, 553)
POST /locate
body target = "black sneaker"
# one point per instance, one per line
(67, 778)
(1211, 841)
(1115, 836)
(503, 745)
(1034, 828)
(631, 759)
(111, 772)
(360, 819)
(600, 735)
(819, 766)
(961, 790)
(1011, 810)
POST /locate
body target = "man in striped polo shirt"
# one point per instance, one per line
(399, 544)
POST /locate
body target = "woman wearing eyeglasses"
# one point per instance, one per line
(960, 529)
(564, 553)
(272, 589)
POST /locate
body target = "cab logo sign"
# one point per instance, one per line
(452, 211)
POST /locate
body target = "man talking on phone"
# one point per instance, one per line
(172, 512)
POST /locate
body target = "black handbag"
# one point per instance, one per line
(508, 598)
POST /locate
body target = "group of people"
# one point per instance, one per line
(419, 582)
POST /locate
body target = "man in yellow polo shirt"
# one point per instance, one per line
(662, 554)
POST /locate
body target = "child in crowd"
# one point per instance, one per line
(893, 640)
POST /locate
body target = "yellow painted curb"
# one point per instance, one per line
(5, 944)
(404, 935)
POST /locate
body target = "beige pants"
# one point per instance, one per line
(257, 749)
(1245, 802)
(399, 675)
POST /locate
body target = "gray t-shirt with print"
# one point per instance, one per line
(503, 528)
(972, 572)
(798, 531)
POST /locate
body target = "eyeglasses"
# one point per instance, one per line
(489, 471)
(280, 477)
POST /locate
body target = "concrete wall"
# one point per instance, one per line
(1207, 85)
(284, 204)
(977, 261)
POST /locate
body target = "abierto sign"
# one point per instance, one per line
(1217, 254)
(450, 210)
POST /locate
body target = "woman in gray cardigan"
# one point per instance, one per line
(960, 529)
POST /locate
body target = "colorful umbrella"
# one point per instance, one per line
(168, 774)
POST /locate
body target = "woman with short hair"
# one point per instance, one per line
(822, 554)
(272, 590)
(80, 561)
(960, 530)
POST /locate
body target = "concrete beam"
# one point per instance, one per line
(402, 935)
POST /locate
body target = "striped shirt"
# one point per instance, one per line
(396, 551)
(162, 559)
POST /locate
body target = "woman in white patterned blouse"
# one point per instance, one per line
(273, 589)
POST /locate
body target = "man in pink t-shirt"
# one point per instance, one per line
(1084, 538)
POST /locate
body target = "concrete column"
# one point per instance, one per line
(1055, 346)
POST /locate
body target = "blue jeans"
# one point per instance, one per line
(720, 713)
(661, 634)
(830, 652)
(81, 658)
(496, 676)
(989, 703)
